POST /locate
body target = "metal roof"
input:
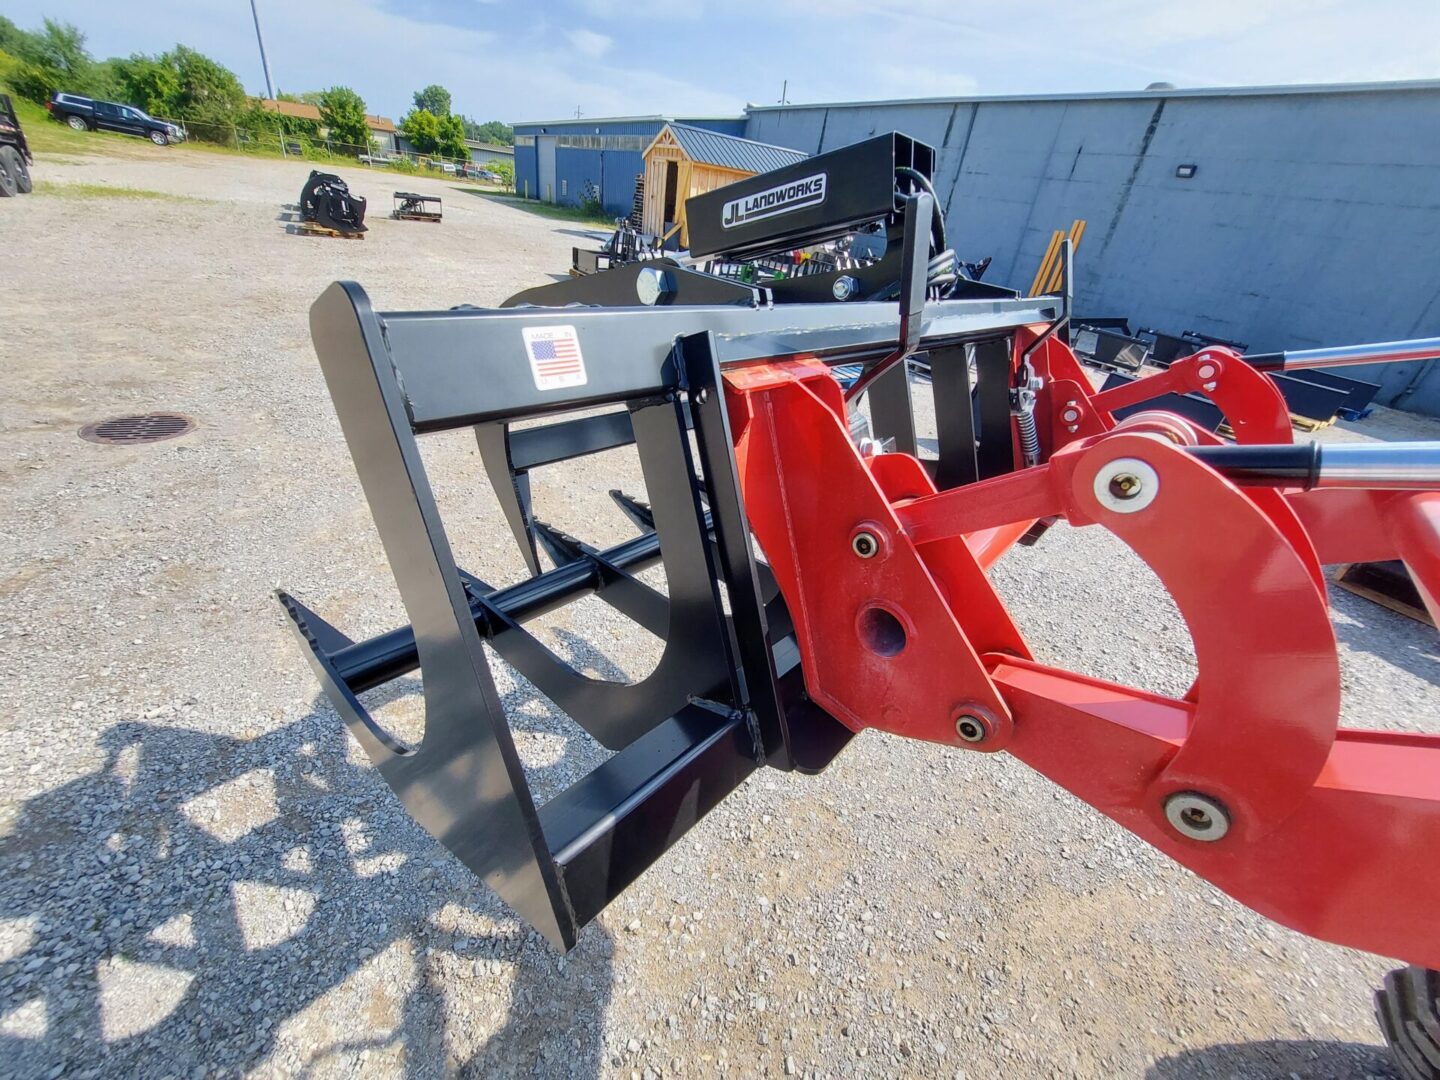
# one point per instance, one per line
(1114, 95)
(731, 151)
(303, 110)
(656, 118)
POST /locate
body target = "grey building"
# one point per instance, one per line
(483, 153)
(1311, 215)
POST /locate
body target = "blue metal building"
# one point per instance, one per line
(560, 161)
(1281, 216)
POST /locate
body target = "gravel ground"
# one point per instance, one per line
(201, 875)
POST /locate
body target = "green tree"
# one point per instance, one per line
(208, 90)
(492, 131)
(450, 140)
(148, 83)
(58, 46)
(10, 37)
(503, 169)
(342, 110)
(52, 58)
(422, 128)
(434, 100)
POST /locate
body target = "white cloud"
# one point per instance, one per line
(589, 42)
(541, 62)
(632, 11)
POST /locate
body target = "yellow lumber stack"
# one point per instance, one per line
(1047, 278)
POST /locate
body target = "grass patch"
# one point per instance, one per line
(106, 191)
(543, 209)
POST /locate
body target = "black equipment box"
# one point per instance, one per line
(819, 199)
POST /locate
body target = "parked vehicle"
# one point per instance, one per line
(88, 114)
(15, 157)
(477, 172)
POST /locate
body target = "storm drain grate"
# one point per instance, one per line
(151, 427)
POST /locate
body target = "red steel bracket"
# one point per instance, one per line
(880, 645)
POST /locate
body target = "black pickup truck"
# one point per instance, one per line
(15, 155)
(88, 114)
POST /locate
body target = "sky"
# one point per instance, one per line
(517, 60)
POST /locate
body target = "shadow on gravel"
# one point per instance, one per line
(175, 910)
(1403, 642)
(1310, 1060)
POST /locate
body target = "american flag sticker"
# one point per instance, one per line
(555, 358)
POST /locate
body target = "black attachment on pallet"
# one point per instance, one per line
(326, 201)
(1109, 349)
(1355, 405)
(413, 206)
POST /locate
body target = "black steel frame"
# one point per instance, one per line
(727, 695)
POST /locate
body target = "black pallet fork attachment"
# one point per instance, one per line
(727, 696)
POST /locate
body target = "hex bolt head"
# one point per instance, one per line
(865, 545)
(652, 284)
(844, 288)
(1197, 816)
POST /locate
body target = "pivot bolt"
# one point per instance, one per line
(844, 288)
(865, 545)
(1126, 485)
(971, 728)
(1197, 816)
(1071, 413)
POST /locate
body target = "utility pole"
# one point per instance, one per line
(265, 66)
(784, 87)
(578, 113)
(264, 63)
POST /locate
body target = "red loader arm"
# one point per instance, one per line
(1248, 780)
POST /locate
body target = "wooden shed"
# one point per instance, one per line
(683, 161)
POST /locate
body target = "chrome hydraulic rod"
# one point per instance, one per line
(1380, 352)
(1409, 466)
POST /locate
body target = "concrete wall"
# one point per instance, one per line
(1312, 219)
(611, 171)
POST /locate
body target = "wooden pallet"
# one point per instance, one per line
(1300, 423)
(1386, 584)
(310, 228)
(1305, 423)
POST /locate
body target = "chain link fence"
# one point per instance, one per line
(309, 146)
